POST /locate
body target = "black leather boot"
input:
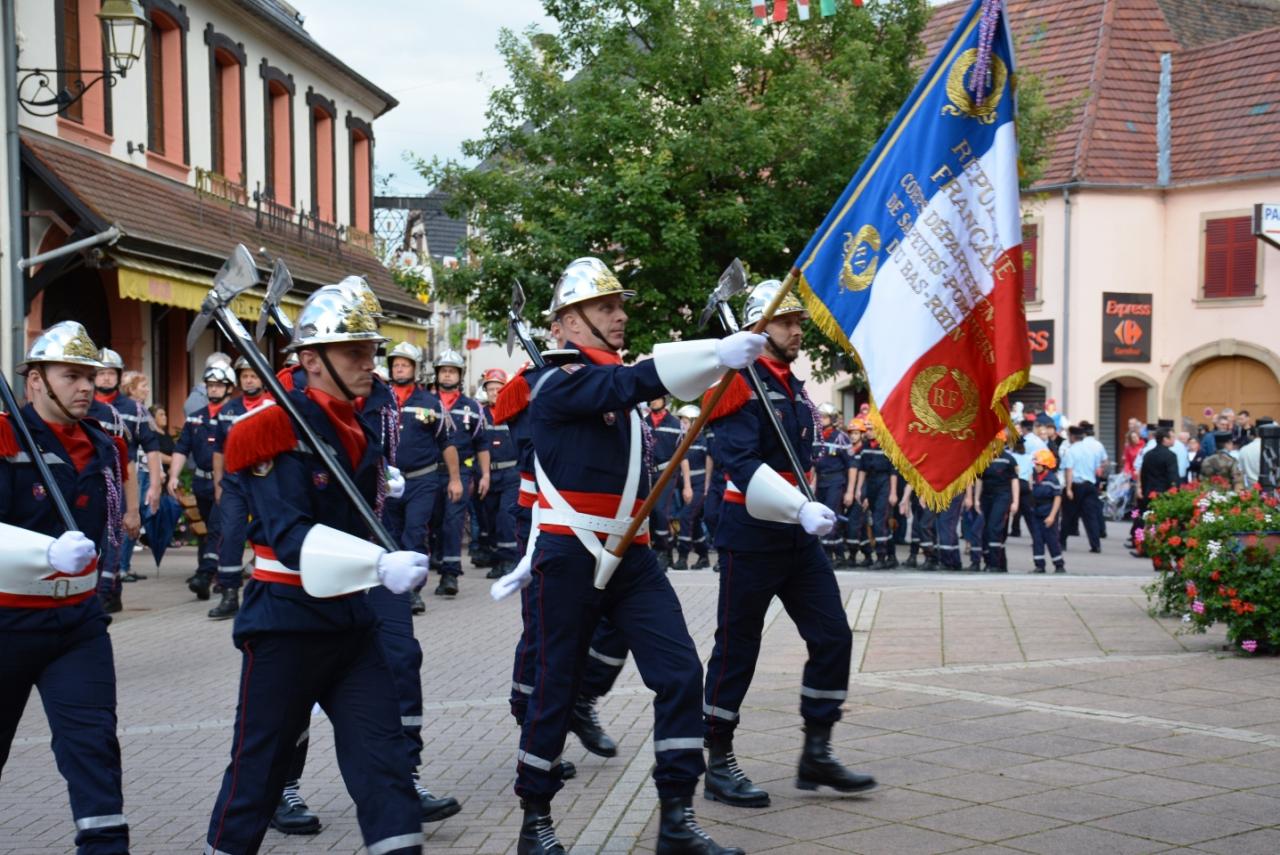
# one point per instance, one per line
(292, 815)
(537, 833)
(198, 584)
(448, 586)
(702, 563)
(679, 834)
(725, 781)
(227, 606)
(567, 770)
(111, 603)
(416, 606)
(682, 563)
(434, 809)
(818, 768)
(585, 724)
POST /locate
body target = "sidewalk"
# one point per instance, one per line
(1018, 713)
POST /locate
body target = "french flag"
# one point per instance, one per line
(917, 270)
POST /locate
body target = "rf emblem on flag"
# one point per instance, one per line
(960, 86)
(944, 401)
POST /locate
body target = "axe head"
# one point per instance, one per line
(516, 314)
(238, 274)
(280, 284)
(732, 282)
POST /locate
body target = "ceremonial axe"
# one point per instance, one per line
(239, 274)
(733, 282)
(518, 330)
(281, 283)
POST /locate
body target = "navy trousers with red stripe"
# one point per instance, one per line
(807, 587)
(282, 677)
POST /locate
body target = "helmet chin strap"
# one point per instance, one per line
(595, 332)
(48, 390)
(333, 375)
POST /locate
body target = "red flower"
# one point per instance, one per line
(1231, 592)
(1246, 495)
(1215, 575)
(1222, 590)
(1192, 543)
(1175, 541)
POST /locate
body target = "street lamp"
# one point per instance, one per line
(126, 35)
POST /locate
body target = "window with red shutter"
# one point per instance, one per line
(1230, 258)
(1030, 261)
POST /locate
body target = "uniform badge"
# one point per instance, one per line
(320, 480)
(571, 367)
(263, 468)
(82, 501)
(610, 419)
(39, 493)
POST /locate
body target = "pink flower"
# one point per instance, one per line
(1198, 607)
(1133, 515)
(1139, 535)
(1249, 646)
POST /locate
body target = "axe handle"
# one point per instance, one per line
(694, 429)
(29, 446)
(234, 330)
(762, 394)
(517, 324)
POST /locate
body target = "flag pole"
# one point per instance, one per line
(609, 559)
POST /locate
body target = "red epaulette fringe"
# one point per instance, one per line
(285, 376)
(258, 436)
(8, 439)
(734, 398)
(512, 400)
(122, 449)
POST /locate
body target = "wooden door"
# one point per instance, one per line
(1231, 381)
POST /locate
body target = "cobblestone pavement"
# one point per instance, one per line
(1019, 713)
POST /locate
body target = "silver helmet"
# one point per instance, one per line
(217, 357)
(359, 288)
(828, 409)
(406, 350)
(450, 358)
(241, 364)
(66, 342)
(219, 373)
(481, 396)
(762, 295)
(291, 360)
(110, 359)
(689, 411)
(337, 313)
(585, 279)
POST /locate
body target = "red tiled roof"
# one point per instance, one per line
(1196, 23)
(166, 217)
(1226, 108)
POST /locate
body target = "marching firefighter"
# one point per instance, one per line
(499, 504)
(423, 453)
(696, 472)
(198, 441)
(666, 431)
(714, 502)
(771, 535)
(468, 439)
(996, 493)
(836, 477)
(924, 530)
(300, 650)
(52, 627)
(879, 496)
(128, 419)
(856, 537)
(589, 466)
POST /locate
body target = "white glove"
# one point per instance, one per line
(817, 518)
(400, 571)
(516, 580)
(395, 483)
(740, 349)
(71, 552)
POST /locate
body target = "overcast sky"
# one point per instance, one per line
(439, 59)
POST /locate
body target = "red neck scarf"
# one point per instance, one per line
(342, 415)
(77, 443)
(656, 416)
(600, 356)
(106, 399)
(827, 432)
(449, 398)
(780, 370)
(214, 409)
(252, 402)
(402, 393)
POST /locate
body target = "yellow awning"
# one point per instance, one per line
(168, 286)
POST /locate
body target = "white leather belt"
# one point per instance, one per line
(697, 472)
(201, 473)
(503, 464)
(425, 470)
(601, 525)
(61, 588)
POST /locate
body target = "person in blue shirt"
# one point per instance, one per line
(1082, 463)
(770, 533)
(1046, 505)
(499, 504)
(836, 477)
(53, 629)
(468, 438)
(696, 473)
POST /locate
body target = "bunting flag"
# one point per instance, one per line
(759, 10)
(780, 10)
(917, 270)
(802, 8)
(828, 8)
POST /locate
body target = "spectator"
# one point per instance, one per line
(1158, 472)
(1197, 457)
(1243, 431)
(1051, 410)
(1223, 463)
(1133, 444)
(1251, 455)
(1223, 422)
(161, 418)
(135, 385)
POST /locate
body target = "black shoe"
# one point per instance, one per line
(882, 563)
(725, 781)
(227, 606)
(416, 606)
(975, 567)
(892, 561)
(866, 561)
(701, 564)
(1059, 567)
(681, 563)
(482, 558)
(1038, 570)
(537, 833)
(448, 586)
(434, 809)
(1095, 550)
(1136, 554)
(664, 560)
(499, 569)
(292, 815)
(818, 768)
(991, 569)
(199, 585)
(679, 834)
(930, 566)
(111, 603)
(911, 561)
(1128, 543)
(585, 724)
(567, 770)
(131, 577)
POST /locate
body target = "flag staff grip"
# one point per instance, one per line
(611, 558)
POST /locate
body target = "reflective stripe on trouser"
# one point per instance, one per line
(855, 531)
(404, 657)
(806, 585)
(282, 676)
(876, 491)
(948, 534)
(453, 524)
(499, 506)
(643, 607)
(1043, 536)
(924, 526)
(233, 520)
(691, 516)
(73, 669)
(995, 511)
(212, 539)
(830, 492)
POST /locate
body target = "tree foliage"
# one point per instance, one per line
(668, 137)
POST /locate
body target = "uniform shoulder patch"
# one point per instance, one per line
(733, 399)
(258, 437)
(572, 367)
(8, 438)
(512, 400)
